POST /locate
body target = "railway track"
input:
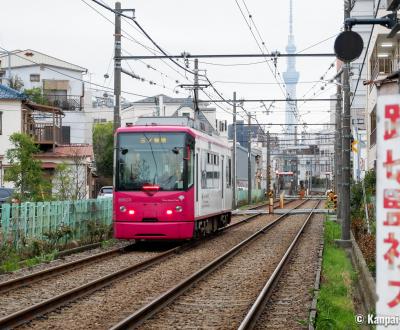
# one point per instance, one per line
(257, 308)
(35, 277)
(22, 316)
(185, 308)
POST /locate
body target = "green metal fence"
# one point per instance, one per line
(32, 220)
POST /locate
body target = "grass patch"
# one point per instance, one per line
(335, 302)
(14, 261)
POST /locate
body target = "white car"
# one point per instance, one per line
(106, 191)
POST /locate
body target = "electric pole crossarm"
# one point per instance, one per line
(272, 55)
(388, 21)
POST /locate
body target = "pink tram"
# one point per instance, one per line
(171, 181)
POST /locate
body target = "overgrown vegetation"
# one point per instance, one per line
(363, 222)
(30, 252)
(335, 302)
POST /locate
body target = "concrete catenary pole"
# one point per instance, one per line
(117, 66)
(338, 140)
(346, 138)
(268, 162)
(249, 187)
(234, 154)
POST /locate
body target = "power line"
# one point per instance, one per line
(69, 76)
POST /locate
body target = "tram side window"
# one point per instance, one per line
(204, 161)
(211, 171)
(190, 170)
(228, 173)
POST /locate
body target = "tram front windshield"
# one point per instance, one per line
(151, 159)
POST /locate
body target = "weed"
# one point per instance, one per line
(335, 303)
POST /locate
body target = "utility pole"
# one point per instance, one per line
(117, 66)
(268, 162)
(338, 141)
(196, 89)
(346, 138)
(234, 154)
(249, 162)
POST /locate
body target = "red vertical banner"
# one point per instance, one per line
(388, 207)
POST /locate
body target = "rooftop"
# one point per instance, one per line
(7, 93)
(29, 57)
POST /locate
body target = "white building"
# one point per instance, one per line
(60, 81)
(162, 105)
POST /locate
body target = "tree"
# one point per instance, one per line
(35, 95)
(62, 182)
(103, 146)
(26, 171)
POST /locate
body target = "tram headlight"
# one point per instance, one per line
(122, 208)
(178, 208)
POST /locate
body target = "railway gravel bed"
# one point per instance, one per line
(288, 307)
(60, 261)
(222, 300)
(20, 298)
(108, 306)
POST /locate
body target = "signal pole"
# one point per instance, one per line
(234, 154)
(117, 66)
(249, 162)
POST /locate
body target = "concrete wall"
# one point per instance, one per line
(11, 123)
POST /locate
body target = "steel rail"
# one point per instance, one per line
(53, 271)
(35, 277)
(257, 308)
(25, 315)
(142, 314)
(245, 220)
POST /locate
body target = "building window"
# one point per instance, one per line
(99, 120)
(185, 114)
(35, 77)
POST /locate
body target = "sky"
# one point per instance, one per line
(73, 31)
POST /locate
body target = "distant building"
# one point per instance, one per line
(244, 133)
(163, 105)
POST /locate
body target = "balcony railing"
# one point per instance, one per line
(45, 133)
(65, 102)
(381, 66)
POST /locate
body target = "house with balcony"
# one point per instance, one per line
(60, 84)
(43, 123)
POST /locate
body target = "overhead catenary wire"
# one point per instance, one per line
(69, 76)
